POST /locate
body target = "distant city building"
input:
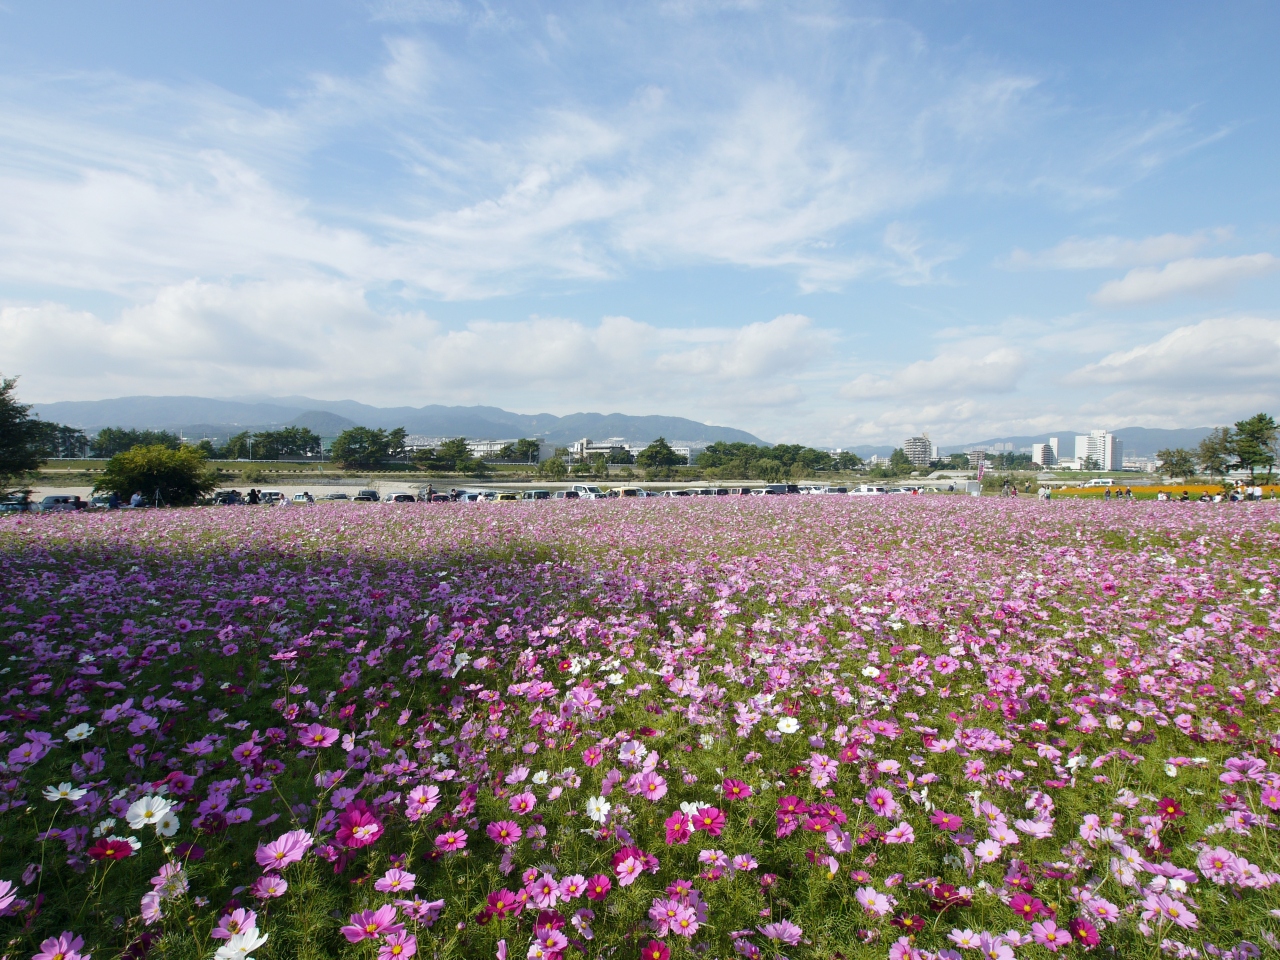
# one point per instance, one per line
(1045, 454)
(919, 450)
(1102, 448)
(875, 460)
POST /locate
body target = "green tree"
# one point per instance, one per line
(1178, 462)
(239, 447)
(20, 451)
(286, 442)
(899, 464)
(181, 477)
(1255, 442)
(959, 461)
(1090, 462)
(620, 455)
(848, 460)
(62, 442)
(768, 470)
(553, 469)
(362, 448)
(112, 440)
(658, 454)
(528, 450)
(600, 465)
(1215, 453)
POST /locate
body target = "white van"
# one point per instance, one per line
(867, 490)
(587, 492)
(1101, 482)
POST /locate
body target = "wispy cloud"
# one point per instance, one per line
(1095, 253)
(1191, 275)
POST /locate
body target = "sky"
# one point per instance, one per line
(823, 222)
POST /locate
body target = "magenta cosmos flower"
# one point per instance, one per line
(946, 821)
(284, 850)
(598, 887)
(505, 833)
(357, 826)
(678, 830)
(395, 881)
(451, 841)
(398, 946)
(735, 789)
(315, 735)
(370, 924)
(709, 819)
(784, 931)
(881, 802)
(652, 786)
(523, 802)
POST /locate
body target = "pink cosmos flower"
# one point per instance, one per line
(881, 802)
(652, 786)
(502, 903)
(523, 802)
(1084, 932)
(505, 833)
(395, 881)
(451, 841)
(268, 887)
(422, 800)
(662, 912)
(64, 947)
(784, 931)
(628, 870)
(1049, 935)
(398, 946)
(315, 735)
(685, 923)
(357, 826)
(592, 756)
(873, 901)
(370, 924)
(902, 833)
(598, 887)
(710, 819)
(284, 850)
(235, 922)
(545, 892)
(735, 789)
(572, 887)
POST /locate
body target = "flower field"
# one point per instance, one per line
(828, 727)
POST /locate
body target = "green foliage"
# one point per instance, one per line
(959, 461)
(239, 447)
(522, 451)
(364, 448)
(735, 460)
(112, 440)
(287, 442)
(452, 456)
(57, 441)
(1254, 443)
(20, 450)
(658, 454)
(767, 469)
(1178, 462)
(1216, 452)
(899, 463)
(553, 469)
(181, 477)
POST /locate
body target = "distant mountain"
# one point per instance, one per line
(202, 416)
(1138, 441)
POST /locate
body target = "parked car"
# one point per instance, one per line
(367, 496)
(1101, 482)
(867, 490)
(227, 498)
(403, 498)
(569, 495)
(62, 503)
(587, 492)
(620, 492)
(18, 503)
(739, 491)
(335, 496)
(537, 495)
(507, 496)
(303, 497)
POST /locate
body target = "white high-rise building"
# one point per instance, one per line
(919, 451)
(1103, 448)
(1046, 454)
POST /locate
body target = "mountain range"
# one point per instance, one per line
(197, 417)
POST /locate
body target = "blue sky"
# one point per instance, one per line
(834, 223)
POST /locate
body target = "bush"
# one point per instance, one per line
(180, 476)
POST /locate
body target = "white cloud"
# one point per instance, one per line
(302, 337)
(1192, 275)
(963, 371)
(1093, 253)
(1198, 357)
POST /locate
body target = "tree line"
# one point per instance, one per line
(1251, 445)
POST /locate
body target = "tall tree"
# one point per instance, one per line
(1216, 451)
(1255, 441)
(1178, 462)
(19, 437)
(659, 454)
(112, 440)
(363, 448)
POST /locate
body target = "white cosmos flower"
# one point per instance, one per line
(80, 731)
(540, 777)
(870, 671)
(105, 827)
(148, 810)
(167, 825)
(64, 791)
(598, 809)
(241, 945)
(788, 725)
